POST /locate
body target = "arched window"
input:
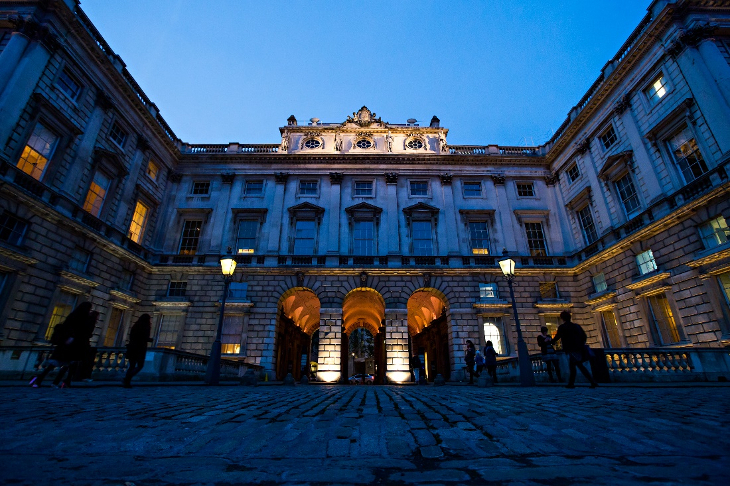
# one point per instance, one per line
(492, 333)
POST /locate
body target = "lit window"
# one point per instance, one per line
(549, 290)
(308, 188)
(608, 138)
(646, 262)
(312, 143)
(525, 190)
(139, 221)
(715, 232)
(599, 282)
(472, 189)
(627, 194)
(153, 170)
(201, 188)
(488, 291)
(492, 333)
(536, 239)
(190, 237)
(364, 143)
(97, 193)
(232, 334)
(254, 188)
(363, 238)
(12, 228)
(116, 318)
(304, 237)
(117, 135)
(551, 322)
(573, 173)
(657, 90)
(79, 260)
(419, 188)
(37, 152)
(479, 237)
(587, 225)
(422, 241)
(68, 85)
(177, 289)
(724, 279)
(61, 309)
(237, 290)
(663, 319)
(687, 155)
(363, 188)
(246, 237)
(168, 330)
(414, 144)
(610, 329)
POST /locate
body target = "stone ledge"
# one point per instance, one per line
(601, 298)
(648, 281)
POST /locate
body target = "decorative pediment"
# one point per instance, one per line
(421, 211)
(113, 160)
(363, 210)
(616, 166)
(306, 210)
(363, 117)
(582, 199)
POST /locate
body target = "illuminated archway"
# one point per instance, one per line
(297, 319)
(428, 331)
(363, 308)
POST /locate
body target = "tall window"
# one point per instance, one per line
(112, 330)
(125, 283)
(724, 279)
(687, 155)
(488, 291)
(363, 237)
(308, 188)
(97, 193)
(79, 260)
(12, 228)
(573, 173)
(190, 237)
(549, 290)
(627, 194)
(168, 330)
(715, 232)
(363, 188)
(153, 170)
(599, 282)
(254, 188)
(472, 189)
(419, 188)
(608, 138)
(68, 85)
(536, 239)
(37, 152)
(177, 289)
(551, 322)
(65, 303)
(646, 262)
(663, 319)
(201, 188)
(479, 236)
(232, 335)
(246, 237)
(139, 221)
(118, 135)
(611, 334)
(304, 235)
(656, 90)
(492, 332)
(587, 225)
(422, 238)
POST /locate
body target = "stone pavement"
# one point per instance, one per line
(194, 435)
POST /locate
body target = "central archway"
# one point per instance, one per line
(363, 308)
(428, 331)
(298, 319)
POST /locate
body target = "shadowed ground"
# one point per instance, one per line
(193, 435)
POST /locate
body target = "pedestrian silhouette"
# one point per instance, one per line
(139, 336)
(549, 356)
(469, 358)
(574, 343)
(490, 360)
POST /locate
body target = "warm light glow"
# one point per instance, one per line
(245, 250)
(328, 376)
(399, 376)
(508, 267)
(480, 251)
(659, 88)
(228, 266)
(230, 348)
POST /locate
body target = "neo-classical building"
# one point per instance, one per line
(620, 217)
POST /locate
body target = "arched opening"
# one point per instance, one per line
(363, 313)
(298, 319)
(428, 332)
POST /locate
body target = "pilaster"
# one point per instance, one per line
(397, 353)
(276, 214)
(330, 349)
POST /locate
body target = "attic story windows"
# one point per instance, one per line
(312, 143)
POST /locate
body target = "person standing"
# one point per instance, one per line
(469, 358)
(549, 356)
(479, 361)
(79, 349)
(490, 360)
(139, 336)
(574, 344)
(416, 366)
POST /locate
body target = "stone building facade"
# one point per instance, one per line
(621, 217)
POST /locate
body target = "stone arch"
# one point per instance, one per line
(430, 331)
(301, 305)
(298, 317)
(363, 307)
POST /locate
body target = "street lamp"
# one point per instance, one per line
(527, 377)
(213, 372)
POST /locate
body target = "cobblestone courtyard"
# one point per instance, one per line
(153, 435)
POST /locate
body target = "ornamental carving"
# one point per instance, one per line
(699, 32)
(622, 104)
(583, 146)
(228, 177)
(498, 179)
(391, 177)
(363, 117)
(675, 48)
(35, 31)
(446, 179)
(336, 177)
(551, 179)
(281, 177)
(175, 177)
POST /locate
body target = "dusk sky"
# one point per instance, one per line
(500, 71)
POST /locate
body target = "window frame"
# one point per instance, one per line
(628, 176)
(179, 325)
(529, 184)
(595, 280)
(75, 78)
(487, 224)
(373, 239)
(242, 341)
(197, 185)
(101, 207)
(189, 250)
(705, 236)
(146, 220)
(502, 347)
(606, 333)
(604, 133)
(177, 288)
(317, 184)
(21, 237)
(151, 162)
(472, 196)
(355, 182)
(648, 98)
(536, 251)
(672, 319)
(49, 159)
(419, 181)
(254, 248)
(483, 286)
(121, 127)
(295, 237)
(676, 162)
(246, 192)
(568, 175)
(645, 265)
(84, 264)
(581, 214)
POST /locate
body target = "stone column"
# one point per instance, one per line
(391, 185)
(220, 216)
(717, 65)
(449, 217)
(20, 86)
(651, 188)
(277, 213)
(397, 353)
(330, 350)
(333, 244)
(601, 210)
(504, 216)
(11, 56)
(557, 207)
(127, 199)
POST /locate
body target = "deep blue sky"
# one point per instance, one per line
(497, 71)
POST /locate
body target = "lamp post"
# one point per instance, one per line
(527, 377)
(213, 372)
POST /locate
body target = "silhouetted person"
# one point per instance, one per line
(416, 366)
(574, 344)
(490, 360)
(549, 356)
(479, 361)
(66, 337)
(79, 348)
(139, 336)
(469, 358)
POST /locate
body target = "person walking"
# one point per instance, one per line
(469, 358)
(139, 336)
(490, 360)
(79, 349)
(574, 343)
(416, 367)
(549, 356)
(64, 338)
(479, 361)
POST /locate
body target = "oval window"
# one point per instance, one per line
(312, 143)
(364, 143)
(414, 144)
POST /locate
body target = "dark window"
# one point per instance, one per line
(304, 237)
(246, 237)
(127, 280)
(610, 329)
(312, 143)
(68, 85)
(526, 190)
(573, 173)
(472, 189)
(12, 228)
(419, 188)
(177, 289)
(79, 260)
(237, 290)
(587, 225)
(414, 144)
(488, 291)
(479, 235)
(308, 188)
(363, 242)
(627, 194)
(254, 188)
(687, 155)
(190, 237)
(111, 337)
(422, 238)
(363, 188)
(536, 239)
(549, 290)
(608, 138)
(663, 319)
(364, 143)
(599, 282)
(118, 135)
(201, 187)
(169, 328)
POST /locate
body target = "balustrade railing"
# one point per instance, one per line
(648, 361)
(492, 150)
(241, 148)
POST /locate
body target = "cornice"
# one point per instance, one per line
(121, 295)
(553, 305)
(16, 255)
(78, 279)
(499, 304)
(171, 303)
(648, 281)
(711, 258)
(601, 298)
(654, 291)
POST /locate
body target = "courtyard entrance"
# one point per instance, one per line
(363, 335)
(298, 319)
(428, 332)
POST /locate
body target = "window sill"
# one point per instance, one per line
(710, 255)
(647, 279)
